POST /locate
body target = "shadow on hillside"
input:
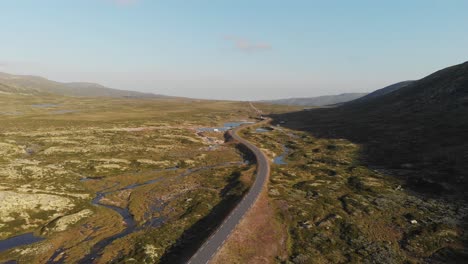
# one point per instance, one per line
(429, 156)
(431, 161)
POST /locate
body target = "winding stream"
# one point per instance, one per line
(130, 223)
(20, 240)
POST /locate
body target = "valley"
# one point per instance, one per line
(122, 177)
(172, 180)
(233, 132)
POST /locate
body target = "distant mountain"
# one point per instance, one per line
(383, 91)
(26, 84)
(421, 127)
(318, 101)
(349, 98)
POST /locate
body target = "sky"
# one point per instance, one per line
(240, 50)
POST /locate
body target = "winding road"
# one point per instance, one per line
(217, 239)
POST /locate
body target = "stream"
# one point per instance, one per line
(20, 240)
(130, 223)
(279, 160)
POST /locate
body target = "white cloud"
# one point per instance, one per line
(246, 45)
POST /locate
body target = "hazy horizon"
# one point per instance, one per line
(244, 50)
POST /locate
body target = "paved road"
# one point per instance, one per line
(258, 111)
(217, 239)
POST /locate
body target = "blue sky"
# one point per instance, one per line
(243, 49)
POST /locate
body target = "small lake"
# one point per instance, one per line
(18, 241)
(236, 124)
(225, 127)
(44, 105)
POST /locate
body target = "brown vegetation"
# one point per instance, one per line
(258, 239)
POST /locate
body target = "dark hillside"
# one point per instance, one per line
(420, 129)
(382, 91)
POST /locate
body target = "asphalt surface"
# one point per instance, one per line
(217, 239)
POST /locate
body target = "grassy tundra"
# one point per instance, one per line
(335, 209)
(144, 156)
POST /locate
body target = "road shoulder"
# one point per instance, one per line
(259, 237)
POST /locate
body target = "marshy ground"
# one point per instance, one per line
(105, 180)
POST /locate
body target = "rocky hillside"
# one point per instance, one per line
(26, 84)
(419, 130)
